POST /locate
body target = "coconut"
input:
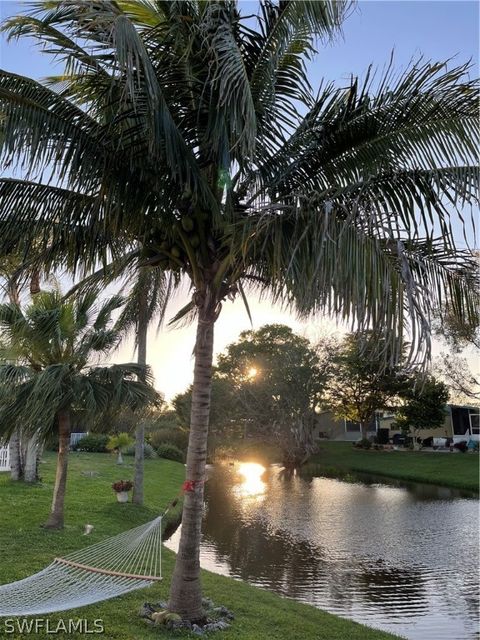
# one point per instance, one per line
(188, 224)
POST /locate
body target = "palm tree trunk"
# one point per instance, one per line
(35, 282)
(16, 471)
(55, 520)
(185, 591)
(142, 328)
(13, 292)
(16, 467)
(31, 457)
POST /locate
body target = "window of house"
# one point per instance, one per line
(475, 421)
(460, 421)
(352, 426)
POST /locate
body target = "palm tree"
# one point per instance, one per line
(149, 293)
(119, 443)
(46, 374)
(146, 300)
(183, 128)
(24, 452)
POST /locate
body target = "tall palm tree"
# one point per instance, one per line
(146, 300)
(186, 129)
(47, 372)
(149, 291)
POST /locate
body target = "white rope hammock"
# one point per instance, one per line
(118, 565)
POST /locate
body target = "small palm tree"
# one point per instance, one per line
(119, 443)
(47, 371)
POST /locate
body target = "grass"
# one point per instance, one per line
(26, 548)
(460, 471)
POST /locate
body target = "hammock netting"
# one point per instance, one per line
(118, 565)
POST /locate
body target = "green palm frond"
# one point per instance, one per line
(157, 286)
(211, 153)
(45, 362)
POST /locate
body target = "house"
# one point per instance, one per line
(462, 422)
(330, 428)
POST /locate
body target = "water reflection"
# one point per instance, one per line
(252, 484)
(379, 554)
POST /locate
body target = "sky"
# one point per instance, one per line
(437, 30)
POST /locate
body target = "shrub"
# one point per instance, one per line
(364, 443)
(175, 436)
(148, 451)
(93, 443)
(170, 452)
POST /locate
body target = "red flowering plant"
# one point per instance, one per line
(122, 485)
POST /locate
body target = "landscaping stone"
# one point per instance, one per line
(217, 618)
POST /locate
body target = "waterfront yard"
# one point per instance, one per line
(26, 548)
(456, 470)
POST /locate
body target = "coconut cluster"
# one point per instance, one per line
(173, 251)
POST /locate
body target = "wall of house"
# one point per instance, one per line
(332, 429)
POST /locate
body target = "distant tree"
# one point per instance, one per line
(47, 373)
(463, 384)
(277, 385)
(224, 408)
(360, 382)
(460, 331)
(460, 334)
(424, 400)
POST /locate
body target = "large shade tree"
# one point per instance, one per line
(48, 372)
(364, 378)
(277, 385)
(193, 131)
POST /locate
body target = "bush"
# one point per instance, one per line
(148, 451)
(93, 443)
(170, 452)
(176, 436)
(364, 443)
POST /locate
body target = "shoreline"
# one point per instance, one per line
(259, 614)
(453, 470)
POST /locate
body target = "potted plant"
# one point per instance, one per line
(121, 488)
(118, 443)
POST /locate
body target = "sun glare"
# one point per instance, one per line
(252, 484)
(252, 372)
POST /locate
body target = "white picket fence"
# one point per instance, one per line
(4, 458)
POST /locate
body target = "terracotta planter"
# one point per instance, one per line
(122, 496)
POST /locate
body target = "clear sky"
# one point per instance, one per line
(435, 29)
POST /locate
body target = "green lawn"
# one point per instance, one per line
(25, 548)
(448, 469)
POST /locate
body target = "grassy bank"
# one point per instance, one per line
(26, 548)
(456, 470)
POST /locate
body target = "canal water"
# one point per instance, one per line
(399, 558)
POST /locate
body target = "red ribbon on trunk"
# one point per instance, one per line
(189, 485)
